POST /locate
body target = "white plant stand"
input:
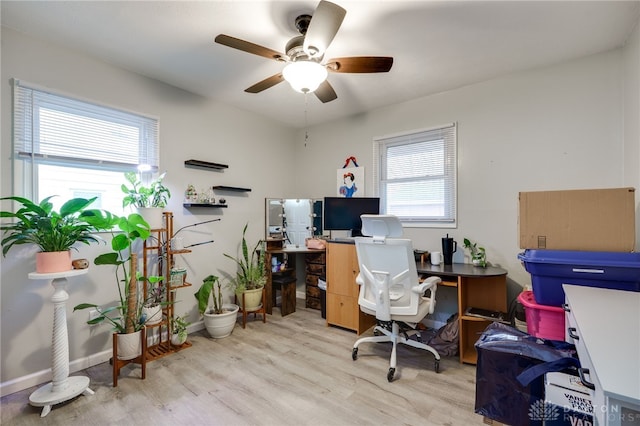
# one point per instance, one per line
(62, 388)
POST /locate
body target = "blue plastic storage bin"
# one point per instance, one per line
(550, 269)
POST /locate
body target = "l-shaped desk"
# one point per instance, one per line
(478, 287)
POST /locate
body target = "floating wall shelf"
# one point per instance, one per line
(231, 188)
(205, 165)
(189, 205)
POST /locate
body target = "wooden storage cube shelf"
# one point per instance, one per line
(473, 328)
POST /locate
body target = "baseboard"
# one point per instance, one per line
(44, 376)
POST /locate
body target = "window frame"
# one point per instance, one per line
(28, 152)
(447, 134)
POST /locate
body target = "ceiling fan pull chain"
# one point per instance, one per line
(306, 121)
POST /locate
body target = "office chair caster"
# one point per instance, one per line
(390, 374)
(354, 354)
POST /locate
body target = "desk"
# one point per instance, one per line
(291, 255)
(484, 288)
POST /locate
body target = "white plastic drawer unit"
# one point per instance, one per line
(604, 325)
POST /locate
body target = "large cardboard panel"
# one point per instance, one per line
(583, 219)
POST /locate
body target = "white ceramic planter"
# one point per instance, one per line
(154, 314)
(221, 325)
(129, 345)
(152, 215)
(178, 339)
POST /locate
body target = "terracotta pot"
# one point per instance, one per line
(54, 261)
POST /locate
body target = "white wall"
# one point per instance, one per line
(574, 125)
(190, 127)
(632, 117)
(558, 127)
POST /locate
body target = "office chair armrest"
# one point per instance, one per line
(427, 284)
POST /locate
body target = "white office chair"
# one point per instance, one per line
(390, 287)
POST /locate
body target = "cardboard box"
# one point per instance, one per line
(568, 401)
(583, 219)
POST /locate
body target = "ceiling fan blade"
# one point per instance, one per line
(360, 64)
(248, 47)
(325, 92)
(265, 84)
(323, 27)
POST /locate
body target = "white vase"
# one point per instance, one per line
(178, 339)
(154, 314)
(129, 345)
(152, 215)
(221, 325)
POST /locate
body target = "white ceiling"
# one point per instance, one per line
(436, 45)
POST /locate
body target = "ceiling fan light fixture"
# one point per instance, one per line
(304, 76)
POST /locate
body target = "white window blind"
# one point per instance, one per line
(415, 175)
(55, 129)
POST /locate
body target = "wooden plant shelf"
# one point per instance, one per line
(163, 349)
(205, 165)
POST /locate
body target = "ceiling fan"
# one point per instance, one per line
(305, 70)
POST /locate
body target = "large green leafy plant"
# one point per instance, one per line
(126, 316)
(51, 231)
(210, 286)
(138, 195)
(251, 272)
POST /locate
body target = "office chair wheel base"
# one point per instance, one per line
(390, 374)
(437, 367)
(354, 354)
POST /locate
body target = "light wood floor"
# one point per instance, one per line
(289, 371)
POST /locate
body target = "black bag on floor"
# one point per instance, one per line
(510, 373)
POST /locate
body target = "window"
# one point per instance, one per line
(73, 148)
(415, 176)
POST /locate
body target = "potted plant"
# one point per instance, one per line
(126, 316)
(155, 300)
(478, 254)
(179, 333)
(251, 275)
(221, 318)
(148, 200)
(55, 233)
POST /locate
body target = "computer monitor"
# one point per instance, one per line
(343, 214)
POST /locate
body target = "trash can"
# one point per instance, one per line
(322, 285)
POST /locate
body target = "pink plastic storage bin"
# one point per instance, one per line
(543, 321)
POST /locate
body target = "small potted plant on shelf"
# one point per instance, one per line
(55, 233)
(179, 333)
(220, 319)
(251, 275)
(478, 254)
(156, 292)
(126, 317)
(147, 200)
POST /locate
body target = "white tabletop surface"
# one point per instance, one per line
(609, 324)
